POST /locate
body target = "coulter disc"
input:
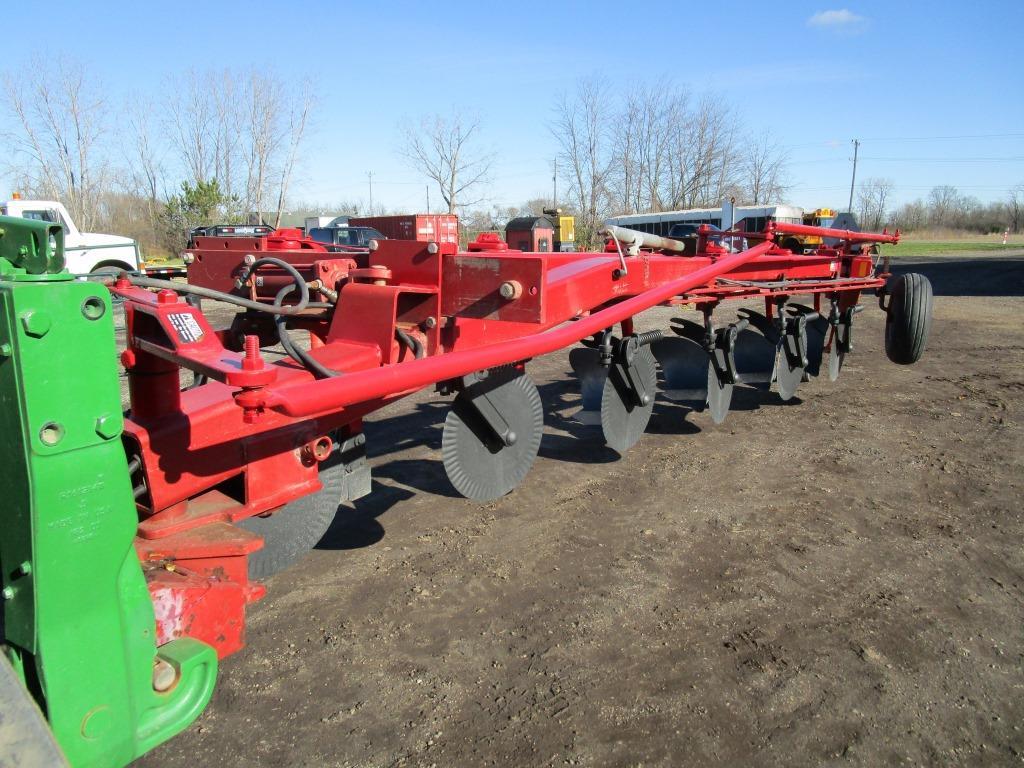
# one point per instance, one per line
(817, 334)
(623, 419)
(480, 466)
(296, 528)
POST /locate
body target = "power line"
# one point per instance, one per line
(836, 144)
(952, 138)
(814, 161)
(1016, 159)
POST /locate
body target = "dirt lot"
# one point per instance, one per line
(833, 581)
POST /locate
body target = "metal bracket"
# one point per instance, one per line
(358, 480)
(794, 339)
(474, 389)
(625, 352)
(842, 322)
(723, 351)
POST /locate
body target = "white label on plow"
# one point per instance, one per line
(186, 326)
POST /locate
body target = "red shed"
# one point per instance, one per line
(534, 234)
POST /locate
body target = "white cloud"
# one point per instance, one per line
(839, 19)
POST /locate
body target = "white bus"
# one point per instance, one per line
(749, 218)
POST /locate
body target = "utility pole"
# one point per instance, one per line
(428, 198)
(853, 180)
(554, 181)
(369, 175)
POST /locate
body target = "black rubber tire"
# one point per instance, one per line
(25, 737)
(793, 245)
(291, 532)
(908, 320)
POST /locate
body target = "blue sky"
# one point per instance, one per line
(894, 74)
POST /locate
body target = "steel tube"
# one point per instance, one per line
(302, 400)
(633, 238)
(785, 228)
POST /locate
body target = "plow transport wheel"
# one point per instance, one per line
(908, 319)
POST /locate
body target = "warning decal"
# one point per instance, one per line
(186, 326)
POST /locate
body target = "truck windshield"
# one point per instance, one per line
(40, 216)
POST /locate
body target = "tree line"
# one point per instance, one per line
(945, 207)
(223, 145)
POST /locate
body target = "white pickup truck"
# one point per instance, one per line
(84, 252)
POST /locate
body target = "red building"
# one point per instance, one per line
(534, 234)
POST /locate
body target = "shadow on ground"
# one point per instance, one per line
(969, 276)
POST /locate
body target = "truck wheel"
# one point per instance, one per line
(908, 319)
(103, 274)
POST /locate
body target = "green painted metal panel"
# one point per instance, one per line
(78, 617)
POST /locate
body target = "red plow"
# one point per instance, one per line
(240, 472)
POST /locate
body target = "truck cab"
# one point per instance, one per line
(345, 236)
(85, 252)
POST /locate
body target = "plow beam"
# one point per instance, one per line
(312, 398)
(846, 235)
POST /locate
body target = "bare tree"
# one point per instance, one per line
(581, 129)
(444, 150)
(144, 157)
(872, 199)
(244, 130)
(298, 116)
(227, 94)
(704, 166)
(641, 137)
(944, 202)
(763, 168)
(57, 149)
(263, 137)
(911, 216)
(190, 122)
(1015, 207)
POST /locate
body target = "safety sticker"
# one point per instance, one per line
(186, 326)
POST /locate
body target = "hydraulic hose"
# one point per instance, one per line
(411, 342)
(209, 293)
(295, 352)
